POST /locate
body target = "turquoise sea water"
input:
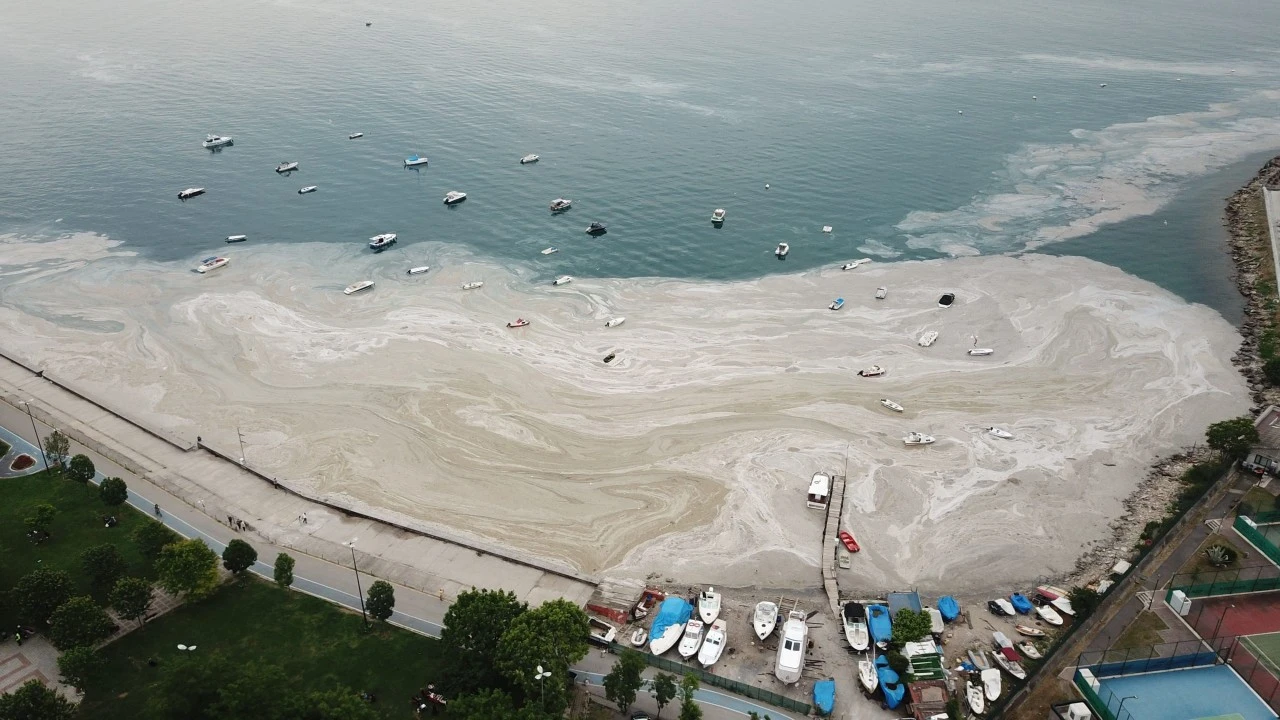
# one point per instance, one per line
(649, 116)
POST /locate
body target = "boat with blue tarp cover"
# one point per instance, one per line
(890, 683)
(824, 695)
(879, 623)
(949, 608)
(668, 624)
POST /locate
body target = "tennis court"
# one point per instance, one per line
(1266, 648)
(1271, 531)
(1245, 630)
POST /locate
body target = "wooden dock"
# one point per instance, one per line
(831, 546)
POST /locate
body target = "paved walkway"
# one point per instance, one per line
(1269, 200)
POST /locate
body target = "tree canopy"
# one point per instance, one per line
(131, 598)
(41, 518)
(79, 664)
(624, 680)
(79, 621)
(283, 570)
(382, 600)
(81, 469)
(664, 689)
(473, 626)
(188, 567)
(34, 701)
(56, 448)
(553, 635)
(103, 564)
(113, 491)
(1084, 601)
(239, 556)
(1233, 438)
(910, 626)
(151, 537)
(689, 708)
(39, 593)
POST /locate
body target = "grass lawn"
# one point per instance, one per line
(312, 641)
(78, 525)
(1142, 633)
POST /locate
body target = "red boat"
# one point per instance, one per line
(849, 542)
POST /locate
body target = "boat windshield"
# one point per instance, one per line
(791, 645)
(209, 259)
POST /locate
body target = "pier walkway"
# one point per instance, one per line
(835, 508)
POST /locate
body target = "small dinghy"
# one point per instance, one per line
(237, 238)
(609, 358)
(891, 404)
(1000, 606)
(1001, 640)
(1009, 664)
(1020, 603)
(978, 352)
(1000, 433)
(717, 216)
(849, 542)
(882, 293)
(1028, 630)
(597, 228)
(518, 323)
(1057, 597)
(285, 167)
(691, 640)
(382, 242)
(190, 193)
(418, 270)
(453, 197)
(837, 303)
(867, 676)
(713, 646)
(1029, 650)
(973, 693)
(990, 683)
(562, 280)
(211, 263)
(560, 205)
(765, 619)
(854, 617)
(530, 158)
(414, 161)
(915, 438)
(550, 251)
(826, 228)
(946, 300)
(855, 264)
(873, 371)
(709, 605)
(782, 250)
(357, 287)
(307, 189)
(928, 338)
(355, 136)
(639, 637)
(978, 659)
(474, 284)
(1048, 614)
(614, 322)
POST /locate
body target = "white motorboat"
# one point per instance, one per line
(882, 293)
(601, 630)
(530, 158)
(454, 197)
(414, 161)
(355, 136)
(978, 352)
(765, 619)
(1000, 433)
(357, 287)
(639, 637)
(717, 216)
(915, 438)
(560, 205)
(211, 263)
(1048, 614)
(891, 404)
(550, 251)
(709, 605)
(418, 270)
(826, 228)
(873, 371)
(782, 250)
(1057, 597)
(614, 322)
(1031, 651)
(795, 637)
(190, 193)
(562, 280)
(307, 189)
(973, 693)
(1001, 640)
(854, 618)
(474, 284)
(217, 141)
(691, 640)
(518, 323)
(1013, 667)
(1004, 606)
(836, 304)
(237, 238)
(990, 683)
(667, 640)
(867, 675)
(383, 241)
(285, 167)
(855, 264)
(713, 646)
(928, 338)
(936, 625)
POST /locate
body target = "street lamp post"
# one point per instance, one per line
(542, 684)
(39, 444)
(1127, 697)
(240, 435)
(359, 590)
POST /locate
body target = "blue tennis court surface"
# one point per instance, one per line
(1191, 694)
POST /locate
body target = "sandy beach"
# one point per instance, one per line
(688, 456)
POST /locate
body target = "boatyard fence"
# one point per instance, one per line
(1258, 578)
(709, 679)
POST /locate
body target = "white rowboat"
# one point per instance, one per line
(891, 404)
(357, 287)
(928, 338)
(419, 270)
(614, 322)
(472, 285)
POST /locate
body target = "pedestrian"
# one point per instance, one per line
(304, 518)
(18, 636)
(275, 483)
(157, 509)
(230, 522)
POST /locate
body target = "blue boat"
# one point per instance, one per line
(668, 624)
(836, 304)
(890, 683)
(824, 695)
(413, 160)
(949, 608)
(1021, 603)
(879, 623)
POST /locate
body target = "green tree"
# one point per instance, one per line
(39, 593)
(624, 680)
(103, 564)
(1232, 438)
(664, 690)
(689, 708)
(189, 686)
(897, 661)
(484, 704)
(188, 567)
(79, 621)
(34, 701)
(473, 626)
(41, 518)
(113, 491)
(81, 469)
(338, 704)
(131, 598)
(256, 691)
(284, 570)
(910, 626)
(239, 556)
(151, 537)
(381, 601)
(553, 635)
(1084, 601)
(56, 448)
(78, 665)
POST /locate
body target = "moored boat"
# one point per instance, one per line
(718, 216)
(928, 338)
(873, 371)
(190, 193)
(915, 438)
(713, 645)
(791, 648)
(217, 141)
(518, 323)
(561, 204)
(211, 263)
(453, 197)
(285, 167)
(383, 241)
(978, 352)
(307, 189)
(709, 605)
(691, 640)
(597, 228)
(826, 228)
(854, 618)
(782, 250)
(946, 300)
(765, 619)
(355, 135)
(1000, 433)
(237, 238)
(530, 158)
(614, 322)
(850, 543)
(354, 288)
(882, 293)
(837, 303)
(473, 285)
(891, 404)
(562, 280)
(855, 264)
(414, 161)
(418, 270)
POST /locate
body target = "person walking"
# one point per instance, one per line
(157, 509)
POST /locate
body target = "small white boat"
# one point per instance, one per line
(414, 161)
(855, 264)
(867, 675)
(560, 205)
(562, 280)
(973, 693)
(550, 251)
(915, 438)
(1029, 650)
(765, 619)
(307, 189)
(837, 303)
(795, 637)
(614, 322)
(1001, 606)
(357, 287)
(854, 618)
(190, 193)
(639, 637)
(977, 352)
(928, 338)
(1056, 597)
(990, 683)
(1001, 640)
(717, 216)
(354, 136)
(211, 263)
(691, 640)
(891, 404)
(782, 250)
(709, 605)
(936, 624)
(453, 197)
(474, 284)
(713, 646)
(418, 270)
(237, 238)
(530, 158)
(1013, 667)
(285, 167)
(667, 640)
(882, 293)
(1000, 433)
(518, 323)
(217, 141)
(1026, 629)
(826, 228)
(383, 241)
(1048, 614)
(873, 371)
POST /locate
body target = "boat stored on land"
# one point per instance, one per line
(949, 608)
(307, 189)
(782, 250)
(414, 161)
(211, 263)
(713, 645)
(1048, 614)
(285, 167)
(891, 404)
(530, 158)
(668, 624)
(837, 303)
(1009, 664)
(1057, 597)
(928, 338)
(217, 141)
(854, 617)
(879, 624)
(973, 693)
(561, 204)
(765, 618)
(795, 638)
(1000, 606)
(867, 675)
(639, 637)
(383, 241)
(454, 197)
(990, 683)
(190, 193)
(691, 640)
(1020, 603)
(890, 683)
(1028, 630)
(1031, 651)
(709, 605)
(357, 287)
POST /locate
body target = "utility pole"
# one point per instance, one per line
(240, 435)
(359, 590)
(39, 444)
